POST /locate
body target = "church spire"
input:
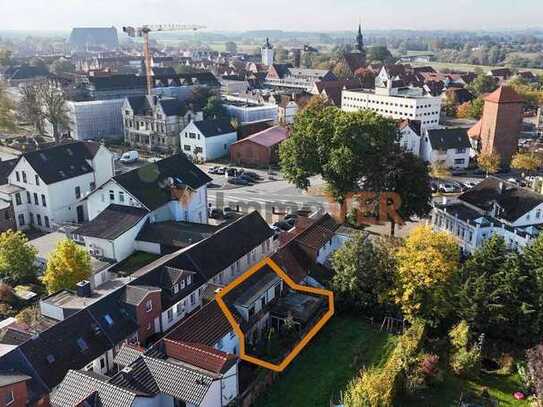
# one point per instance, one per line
(360, 39)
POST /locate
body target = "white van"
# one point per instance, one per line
(130, 157)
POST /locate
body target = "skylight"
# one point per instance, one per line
(108, 319)
(50, 359)
(82, 344)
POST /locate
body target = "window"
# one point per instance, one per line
(31, 218)
(459, 161)
(24, 176)
(77, 192)
(192, 299)
(262, 302)
(43, 202)
(121, 196)
(17, 176)
(170, 315)
(82, 344)
(108, 319)
(28, 199)
(251, 311)
(149, 306)
(46, 220)
(176, 288)
(102, 363)
(50, 359)
(38, 218)
(21, 218)
(37, 179)
(111, 195)
(460, 150)
(8, 398)
(186, 147)
(36, 200)
(179, 308)
(92, 186)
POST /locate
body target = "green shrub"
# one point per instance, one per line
(379, 387)
(464, 361)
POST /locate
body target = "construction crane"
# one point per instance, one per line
(144, 31)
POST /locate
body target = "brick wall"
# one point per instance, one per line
(500, 128)
(20, 394)
(146, 320)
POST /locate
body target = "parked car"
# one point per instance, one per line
(232, 172)
(220, 170)
(130, 157)
(253, 175)
(283, 225)
(216, 213)
(247, 178)
(291, 216)
(470, 184)
(213, 170)
(458, 173)
(239, 181)
(447, 188)
(228, 212)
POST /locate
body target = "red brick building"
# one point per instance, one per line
(260, 149)
(147, 307)
(13, 389)
(500, 126)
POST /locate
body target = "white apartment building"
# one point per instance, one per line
(405, 103)
(48, 187)
(493, 207)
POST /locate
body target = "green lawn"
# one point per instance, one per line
(500, 387)
(330, 361)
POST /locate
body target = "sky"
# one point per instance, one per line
(292, 15)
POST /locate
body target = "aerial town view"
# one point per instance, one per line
(310, 203)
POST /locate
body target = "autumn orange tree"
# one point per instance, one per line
(489, 162)
(527, 161)
(427, 267)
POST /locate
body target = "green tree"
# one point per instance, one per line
(427, 269)
(17, 258)
(343, 147)
(379, 53)
(407, 175)
(364, 271)
(482, 84)
(214, 108)
(231, 47)
(498, 297)
(7, 114)
(66, 266)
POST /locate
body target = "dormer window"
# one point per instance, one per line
(82, 344)
(176, 288)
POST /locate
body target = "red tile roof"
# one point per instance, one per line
(202, 356)
(268, 137)
(475, 131)
(504, 94)
(206, 326)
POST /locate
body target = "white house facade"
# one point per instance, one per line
(450, 147)
(489, 209)
(53, 183)
(207, 140)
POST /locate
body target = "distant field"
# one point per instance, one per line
(468, 67)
